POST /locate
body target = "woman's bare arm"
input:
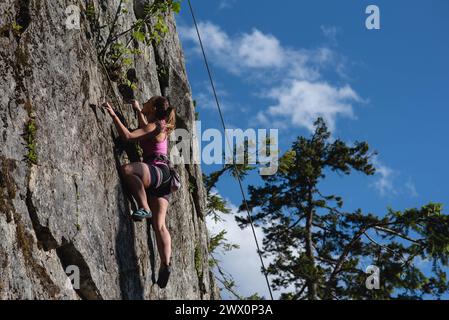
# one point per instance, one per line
(141, 118)
(148, 130)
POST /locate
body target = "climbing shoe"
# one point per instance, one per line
(141, 214)
(164, 275)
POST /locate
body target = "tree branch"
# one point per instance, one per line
(342, 258)
(225, 279)
(311, 284)
(114, 25)
(379, 228)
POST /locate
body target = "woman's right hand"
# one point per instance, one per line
(109, 109)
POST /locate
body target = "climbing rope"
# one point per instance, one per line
(111, 87)
(248, 211)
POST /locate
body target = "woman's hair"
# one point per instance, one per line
(163, 111)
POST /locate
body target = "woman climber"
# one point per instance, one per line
(156, 122)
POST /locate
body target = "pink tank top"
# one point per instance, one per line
(152, 148)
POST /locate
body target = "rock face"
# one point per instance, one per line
(61, 200)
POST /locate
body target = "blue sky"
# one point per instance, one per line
(279, 66)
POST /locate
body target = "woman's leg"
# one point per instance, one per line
(159, 208)
(137, 178)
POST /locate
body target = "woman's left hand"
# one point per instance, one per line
(109, 109)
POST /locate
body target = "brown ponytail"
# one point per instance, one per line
(170, 120)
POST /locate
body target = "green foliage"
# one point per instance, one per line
(254, 296)
(176, 6)
(159, 29)
(114, 50)
(159, 7)
(198, 256)
(321, 250)
(216, 205)
(162, 71)
(30, 140)
(130, 84)
(90, 11)
(16, 27)
(192, 187)
(219, 241)
(138, 36)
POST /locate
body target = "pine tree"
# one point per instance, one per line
(319, 251)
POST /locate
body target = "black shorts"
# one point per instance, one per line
(160, 180)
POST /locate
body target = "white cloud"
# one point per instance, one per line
(300, 103)
(205, 101)
(226, 4)
(411, 188)
(254, 50)
(391, 183)
(205, 98)
(330, 32)
(243, 263)
(291, 77)
(385, 175)
(257, 50)
(211, 34)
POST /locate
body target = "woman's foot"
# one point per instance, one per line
(141, 214)
(164, 275)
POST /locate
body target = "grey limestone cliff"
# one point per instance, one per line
(61, 199)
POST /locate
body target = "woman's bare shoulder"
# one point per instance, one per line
(150, 126)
